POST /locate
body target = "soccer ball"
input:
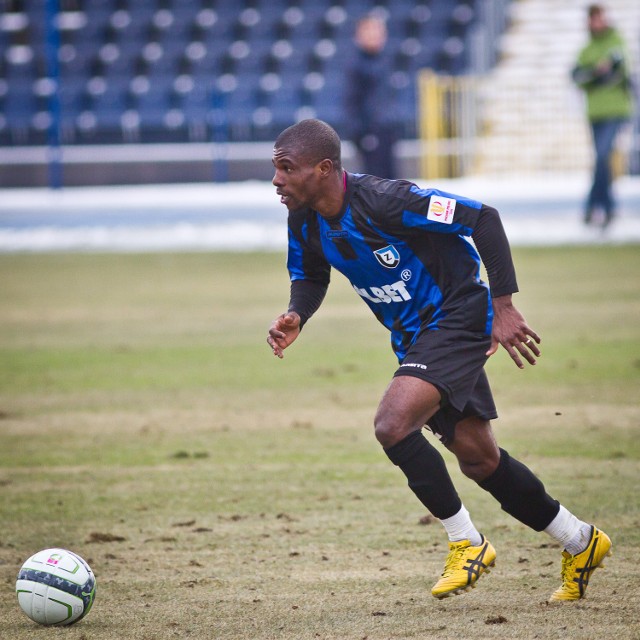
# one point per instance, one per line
(56, 587)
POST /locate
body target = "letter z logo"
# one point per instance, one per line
(388, 256)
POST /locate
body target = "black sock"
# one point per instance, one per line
(427, 474)
(520, 493)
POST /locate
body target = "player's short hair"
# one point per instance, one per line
(313, 140)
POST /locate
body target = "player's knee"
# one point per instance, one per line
(389, 432)
(406, 405)
(477, 469)
(478, 463)
(476, 449)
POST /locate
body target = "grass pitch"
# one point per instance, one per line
(218, 492)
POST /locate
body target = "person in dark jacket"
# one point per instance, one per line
(371, 116)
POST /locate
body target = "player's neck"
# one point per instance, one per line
(330, 204)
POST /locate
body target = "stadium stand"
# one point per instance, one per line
(200, 70)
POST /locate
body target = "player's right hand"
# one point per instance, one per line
(283, 331)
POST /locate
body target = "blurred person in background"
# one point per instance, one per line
(371, 115)
(602, 72)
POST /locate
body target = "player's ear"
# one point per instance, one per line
(325, 167)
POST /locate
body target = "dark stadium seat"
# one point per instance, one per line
(183, 68)
(20, 104)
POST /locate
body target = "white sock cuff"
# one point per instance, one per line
(564, 527)
(460, 527)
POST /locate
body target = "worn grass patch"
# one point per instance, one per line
(220, 493)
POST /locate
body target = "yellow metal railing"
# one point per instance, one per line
(489, 125)
(448, 124)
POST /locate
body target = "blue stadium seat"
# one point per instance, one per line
(197, 102)
(21, 103)
(243, 67)
(73, 98)
(78, 61)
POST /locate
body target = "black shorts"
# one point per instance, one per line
(453, 361)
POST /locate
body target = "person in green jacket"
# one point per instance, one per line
(603, 73)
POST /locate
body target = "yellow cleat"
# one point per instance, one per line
(463, 566)
(576, 570)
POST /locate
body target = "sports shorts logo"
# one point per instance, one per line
(388, 256)
(415, 365)
(441, 209)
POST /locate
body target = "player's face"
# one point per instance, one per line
(296, 181)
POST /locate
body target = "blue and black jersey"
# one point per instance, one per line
(407, 252)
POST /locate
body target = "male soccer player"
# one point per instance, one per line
(406, 252)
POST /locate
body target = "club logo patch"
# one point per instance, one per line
(388, 256)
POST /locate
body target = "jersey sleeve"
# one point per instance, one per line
(306, 298)
(493, 246)
(439, 211)
(309, 271)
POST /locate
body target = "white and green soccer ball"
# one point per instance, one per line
(56, 587)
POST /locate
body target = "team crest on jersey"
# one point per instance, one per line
(388, 256)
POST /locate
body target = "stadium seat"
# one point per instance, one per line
(250, 66)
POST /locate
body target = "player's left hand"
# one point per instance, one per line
(512, 332)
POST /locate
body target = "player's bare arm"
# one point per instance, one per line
(283, 331)
(511, 330)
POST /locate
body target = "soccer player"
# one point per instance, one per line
(407, 254)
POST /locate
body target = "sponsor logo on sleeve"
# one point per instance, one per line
(441, 209)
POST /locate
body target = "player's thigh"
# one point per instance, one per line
(406, 405)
